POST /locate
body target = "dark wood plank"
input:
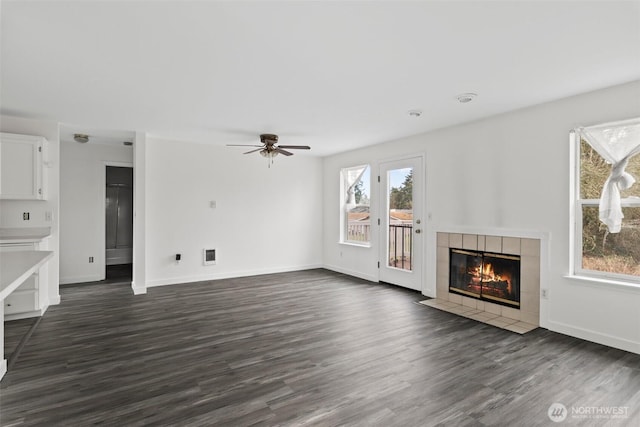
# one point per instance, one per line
(303, 348)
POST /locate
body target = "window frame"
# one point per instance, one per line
(344, 221)
(576, 213)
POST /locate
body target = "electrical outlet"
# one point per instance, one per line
(545, 293)
(25, 216)
(90, 259)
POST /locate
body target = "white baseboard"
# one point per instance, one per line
(597, 337)
(229, 275)
(428, 293)
(351, 273)
(3, 366)
(138, 290)
(81, 279)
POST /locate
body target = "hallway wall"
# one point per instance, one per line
(82, 217)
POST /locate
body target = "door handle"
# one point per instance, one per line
(418, 231)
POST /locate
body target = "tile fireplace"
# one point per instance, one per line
(490, 278)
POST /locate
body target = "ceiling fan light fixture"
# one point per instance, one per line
(268, 154)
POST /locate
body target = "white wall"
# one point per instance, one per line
(11, 210)
(138, 284)
(508, 172)
(266, 219)
(82, 214)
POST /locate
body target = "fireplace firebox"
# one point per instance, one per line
(486, 276)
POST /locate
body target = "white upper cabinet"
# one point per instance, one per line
(21, 167)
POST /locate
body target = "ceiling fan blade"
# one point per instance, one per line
(281, 151)
(253, 151)
(295, 147)
(243, 145)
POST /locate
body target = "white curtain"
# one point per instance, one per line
(616, 143)
(351, 178)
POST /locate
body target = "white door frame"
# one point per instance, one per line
(419, 244)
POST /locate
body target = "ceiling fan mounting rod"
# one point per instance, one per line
(266, 138)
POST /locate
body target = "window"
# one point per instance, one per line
(356, 193)
(607, 201)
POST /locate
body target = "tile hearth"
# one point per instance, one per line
(492, 319)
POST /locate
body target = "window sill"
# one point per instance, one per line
(606, 283)
(359, 245)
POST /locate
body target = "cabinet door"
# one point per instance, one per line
(20, 167)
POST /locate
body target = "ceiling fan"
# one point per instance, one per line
(269, 147)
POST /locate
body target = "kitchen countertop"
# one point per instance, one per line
(23, 234)
(17, 266)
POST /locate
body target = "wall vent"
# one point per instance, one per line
(209, 256)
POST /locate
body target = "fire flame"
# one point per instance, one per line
(485, 273)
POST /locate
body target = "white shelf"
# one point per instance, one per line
(24, 234)
(17, 266)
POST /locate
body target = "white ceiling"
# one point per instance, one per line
(335, 75)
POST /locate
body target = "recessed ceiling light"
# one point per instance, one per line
(415, 113)
(463, 98)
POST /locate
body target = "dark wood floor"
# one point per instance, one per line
(304, 348)
(16, 334)
(114, 274)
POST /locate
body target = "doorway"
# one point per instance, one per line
(118, 224)
(401, 222)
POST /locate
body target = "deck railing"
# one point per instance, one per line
(400, 241)
(359, 231)
(401, 246)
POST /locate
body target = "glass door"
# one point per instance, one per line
(401, 223)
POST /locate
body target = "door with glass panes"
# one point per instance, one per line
(401, 222)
